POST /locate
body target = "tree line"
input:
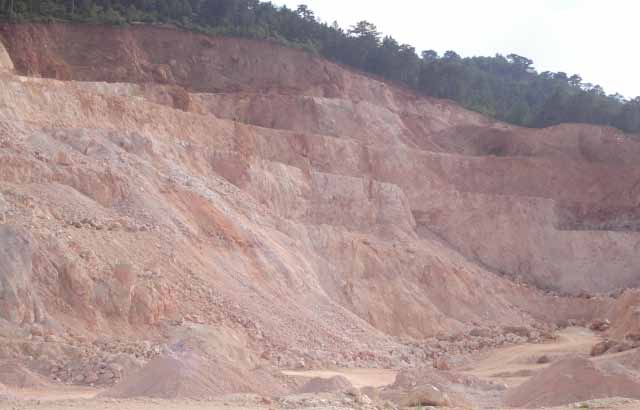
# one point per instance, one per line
(505, 87)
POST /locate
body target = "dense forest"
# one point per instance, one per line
(505, 87)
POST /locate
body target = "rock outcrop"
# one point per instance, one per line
(6, 64)
(19, 302)
(544, 197)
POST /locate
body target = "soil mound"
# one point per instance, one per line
(12, 374)
(193, 376)
(320, 385)
(569, 381)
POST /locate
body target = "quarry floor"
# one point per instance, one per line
(149, 404)
(499, 366)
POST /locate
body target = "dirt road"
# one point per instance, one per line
(509, 365)
(513, 365)
(509, 361)
(358, 377)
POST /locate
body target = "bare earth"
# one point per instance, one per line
(358, 377)
(572, 341)
(184, 217)
(520, 358)
(148, 404)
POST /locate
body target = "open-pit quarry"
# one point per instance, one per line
(195, 222)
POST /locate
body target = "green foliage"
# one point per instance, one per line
(507, 88)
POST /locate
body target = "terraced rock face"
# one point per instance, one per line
(158, 175)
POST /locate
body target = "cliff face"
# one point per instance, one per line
(152, 175)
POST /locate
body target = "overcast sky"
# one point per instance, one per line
(598, 39)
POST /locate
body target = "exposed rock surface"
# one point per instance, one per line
(18, 301)
(416, 167)
(156, 179)
(426, 395)
(6, 64)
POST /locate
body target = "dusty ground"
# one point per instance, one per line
(358, 377)
(572, 341)
(510, 361)
(513, 359)
(139, 404)
(609, 404)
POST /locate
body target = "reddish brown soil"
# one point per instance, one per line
(154, 182)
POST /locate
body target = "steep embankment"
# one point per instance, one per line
(315, 210)
(560, 205)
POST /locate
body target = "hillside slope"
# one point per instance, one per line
(153, 177)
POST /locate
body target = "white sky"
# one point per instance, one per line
(598, 39)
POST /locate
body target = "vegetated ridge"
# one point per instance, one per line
(505, 87)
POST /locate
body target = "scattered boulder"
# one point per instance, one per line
(420, 386)
(410, 378)
(517, 330)
(601, 348)
(548, 337)
(323, 385)
(372, 392)
(481, 332)
(601, 325)
(62, 158)
(150, 302)
(426, 395)
(441, 363)
(544, 359)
